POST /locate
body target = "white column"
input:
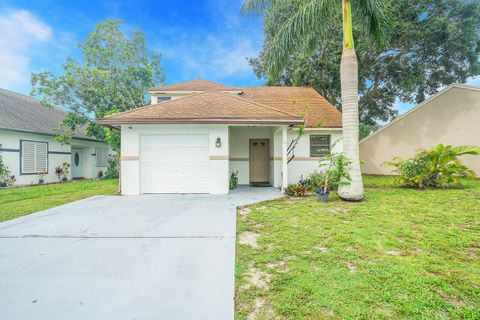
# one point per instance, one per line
(284, 158)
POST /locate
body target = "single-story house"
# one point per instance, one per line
(450, 117)
(196, 133)
(28, 146)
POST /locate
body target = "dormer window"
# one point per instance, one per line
(161, 99)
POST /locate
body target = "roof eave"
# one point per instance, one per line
(285, 121)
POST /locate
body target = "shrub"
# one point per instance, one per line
(233, 180)
(296, 190)
(7, 179)
(59, 172)
(112, 169)
(438, 167)
(315, 181)
(65, 170)
(334, 174)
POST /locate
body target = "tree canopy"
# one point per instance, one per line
(113, 75)
(433, 43)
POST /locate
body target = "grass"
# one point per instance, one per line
(400, 254)
(18, 202)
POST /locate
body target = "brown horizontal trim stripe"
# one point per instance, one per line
(297, 158)
(130, 158)
(219, 157)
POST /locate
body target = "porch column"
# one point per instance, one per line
(284, 158)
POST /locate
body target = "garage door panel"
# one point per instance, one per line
(174, 163)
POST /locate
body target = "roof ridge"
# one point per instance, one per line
(259, 104)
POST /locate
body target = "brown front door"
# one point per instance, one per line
(259, 161)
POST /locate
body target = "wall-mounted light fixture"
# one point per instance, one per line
(218, 143)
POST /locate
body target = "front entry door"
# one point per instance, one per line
(259, 161)
(77, 163)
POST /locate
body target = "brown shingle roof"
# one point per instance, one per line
(294, 100)
(206, 107)
(193, 85)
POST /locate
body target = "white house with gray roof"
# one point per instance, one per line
(28, 147)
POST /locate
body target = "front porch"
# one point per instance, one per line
(259, 155)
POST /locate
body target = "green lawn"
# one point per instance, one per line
(400, 254)
(18, 202)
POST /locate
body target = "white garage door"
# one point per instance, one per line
(174, 163)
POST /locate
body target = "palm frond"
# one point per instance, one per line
(293, 33)
(257, 6)
(377, 18)
(463, 150)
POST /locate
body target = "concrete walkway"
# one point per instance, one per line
(143, 257)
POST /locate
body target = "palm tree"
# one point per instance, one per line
(299, 28)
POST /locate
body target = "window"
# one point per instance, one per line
(34, 157)
(101, 155)
(319, 145)
(161, 99)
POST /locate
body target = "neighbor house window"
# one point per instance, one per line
(161, 99)
(319, 145)
(101, 155)
(34, 157)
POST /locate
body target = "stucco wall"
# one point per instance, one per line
(451, 118)
(239, 149)
(302, 165)
(131, 155)
(57, 154)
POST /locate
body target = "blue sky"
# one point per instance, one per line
(207, 39)
(197, 39)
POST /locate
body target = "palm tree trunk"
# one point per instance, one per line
(349, 84)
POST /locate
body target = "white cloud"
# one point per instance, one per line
(20, 33)
(212, 57)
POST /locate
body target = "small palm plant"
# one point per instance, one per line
(310, 18)
(438, 167)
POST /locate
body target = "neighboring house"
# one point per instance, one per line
(450, 117)
(202, 131)
(28, 147)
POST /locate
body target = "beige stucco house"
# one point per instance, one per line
(196, 133)
(450, 117)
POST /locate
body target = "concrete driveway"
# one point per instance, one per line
(142, 257)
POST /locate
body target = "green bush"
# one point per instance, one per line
(296, 190)
(112, 169)
(335, 174)
(315, 181)
(233, 180)
(6, 177)
(438, 167)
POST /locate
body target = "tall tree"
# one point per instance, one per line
(113, 75)
(299, 29)
(433, 44)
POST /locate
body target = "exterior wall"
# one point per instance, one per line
(131, 155)
(90, 168)
(239, 149)
(153, 98)
(450, 118)
(57, 154)
(301, 166)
